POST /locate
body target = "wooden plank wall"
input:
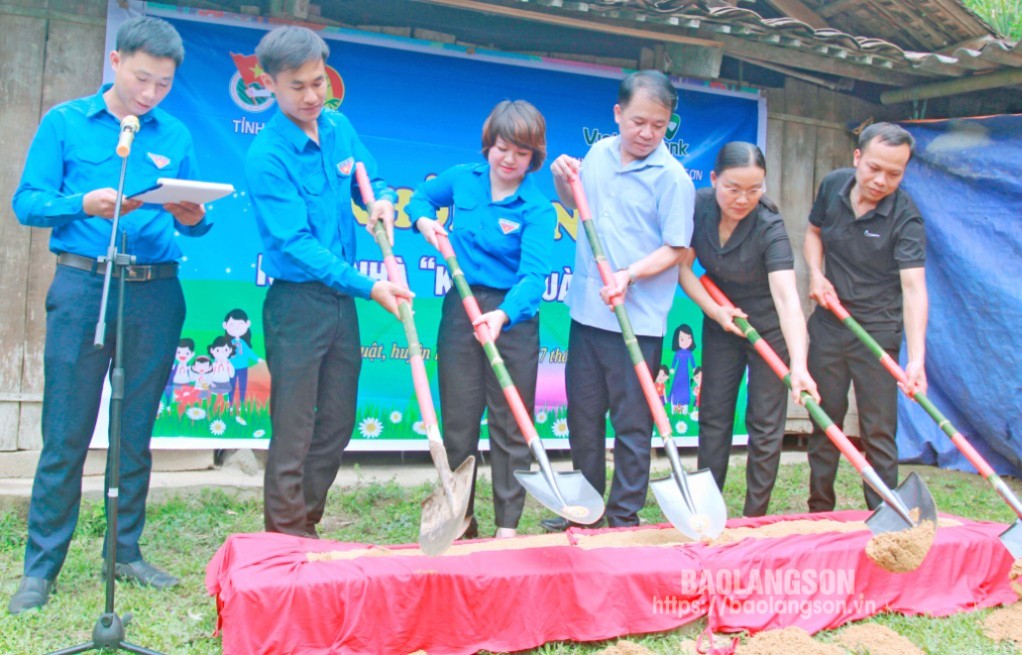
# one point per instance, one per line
(53, 51)
(807, 137)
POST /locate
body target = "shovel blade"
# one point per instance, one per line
(443, 518)
(1012, 539)
(581, 502)
(913, 494)
(709, 517)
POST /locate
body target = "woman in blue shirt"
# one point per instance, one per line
(501, 228)
(740, 240)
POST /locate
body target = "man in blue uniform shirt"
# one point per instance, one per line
(301, 175)
(66, 186)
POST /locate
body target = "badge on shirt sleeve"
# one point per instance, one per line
(160, 161)
(508, 226)
(344, 167)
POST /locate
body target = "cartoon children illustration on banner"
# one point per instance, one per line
(684, 344)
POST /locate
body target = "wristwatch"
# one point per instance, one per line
(631, 275)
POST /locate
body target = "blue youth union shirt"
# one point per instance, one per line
(504, 244)
(301, 192)
(73, 153)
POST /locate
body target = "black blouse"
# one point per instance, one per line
(758, 246)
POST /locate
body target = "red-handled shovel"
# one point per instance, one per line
(568, 494)
(893, 515)
(692, 502)
(1012, 537)
(443, 511)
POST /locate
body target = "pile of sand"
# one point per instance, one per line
(1005, 624)
(876, 640)
(625, 648)
(1014, 577)
(459, 548)
(902, 551)
(789, 641)
(667, 537)
(785, 528)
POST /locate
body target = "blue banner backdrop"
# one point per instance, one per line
(419, 107)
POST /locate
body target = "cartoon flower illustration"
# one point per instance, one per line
(240, 420)
(196, 413)
(217, 427)
(419, 427)
(395, 416)
(370, 427)
(561, 427)
(258, 434)
(541, 417)
(681, 427)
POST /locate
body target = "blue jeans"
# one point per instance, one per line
(74, 369)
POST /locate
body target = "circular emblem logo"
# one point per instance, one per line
(250, 97)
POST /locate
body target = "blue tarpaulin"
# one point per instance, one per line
(966, 179)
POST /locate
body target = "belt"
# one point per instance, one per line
(133, 273)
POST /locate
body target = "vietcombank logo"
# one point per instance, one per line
(677, 146)
(249, 94)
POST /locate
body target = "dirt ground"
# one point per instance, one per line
(625, 647)
(788, 641)
(1005, 624)
(876, 640)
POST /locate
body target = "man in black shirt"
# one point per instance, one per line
(870, 235)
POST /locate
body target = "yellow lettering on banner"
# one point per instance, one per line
(568, 221)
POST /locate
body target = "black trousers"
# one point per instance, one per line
(725, 358)
(468, 386)
(314, 355)
(836, 359)
(599, 376)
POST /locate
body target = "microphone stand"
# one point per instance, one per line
(108, 633)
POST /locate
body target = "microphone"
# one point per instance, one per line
(129, 126)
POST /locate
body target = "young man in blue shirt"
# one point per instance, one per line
(301, 177)
(66, 186)
(642, 200)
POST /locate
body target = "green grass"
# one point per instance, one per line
(1005, 16)
(183, 533)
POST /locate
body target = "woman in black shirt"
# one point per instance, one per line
(740, 240)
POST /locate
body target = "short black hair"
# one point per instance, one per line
(739, 154)
(153, 36)
(186, 343)
(288, 48)
(889, 133)
(654, 82)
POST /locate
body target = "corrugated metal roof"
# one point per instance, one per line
(966, 44)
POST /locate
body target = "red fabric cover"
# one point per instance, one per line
(272, 599)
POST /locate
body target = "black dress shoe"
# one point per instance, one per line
(560, 524)
(32, 594)
(145, 574)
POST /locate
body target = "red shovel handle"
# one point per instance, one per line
(482, 331)
(419, 378)
(836, 435)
